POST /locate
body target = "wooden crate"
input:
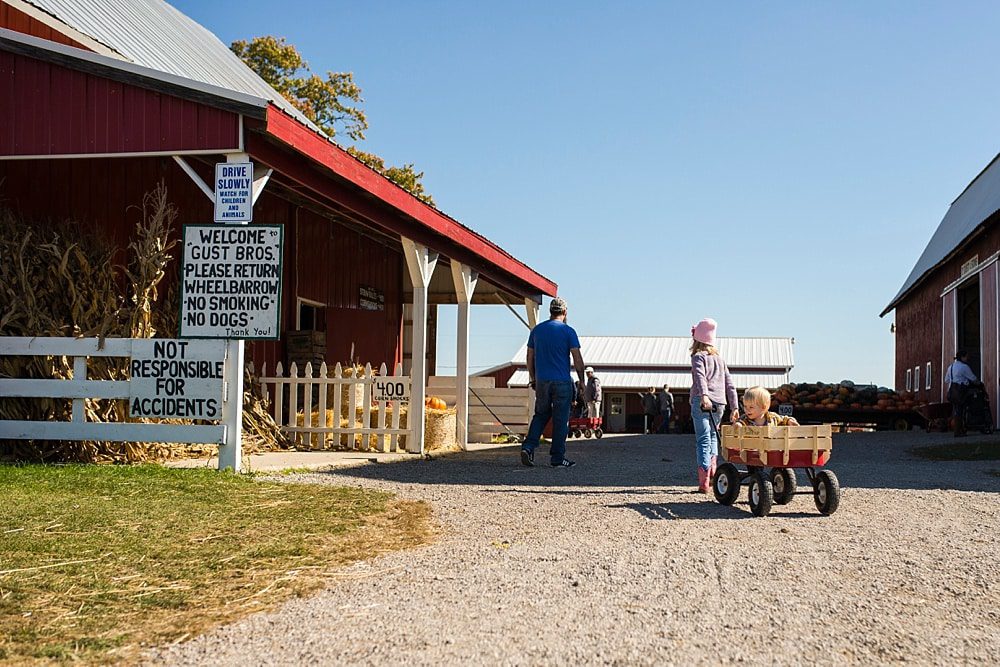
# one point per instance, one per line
(778, 446)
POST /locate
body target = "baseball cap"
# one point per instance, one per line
(557, 305)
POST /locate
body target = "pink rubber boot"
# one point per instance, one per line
(702, 480)
(711, 472)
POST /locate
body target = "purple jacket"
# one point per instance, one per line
(710, 377)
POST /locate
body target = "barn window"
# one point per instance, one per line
(927, 376)
(916, 378)
(310, 316)
(909, 379)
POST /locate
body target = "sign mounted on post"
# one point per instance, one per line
(234, 192)
(785, 409)
(181, 379)
(231, 282)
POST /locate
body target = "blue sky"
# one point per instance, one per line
(778, 166)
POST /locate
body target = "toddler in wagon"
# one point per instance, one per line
(756, 401)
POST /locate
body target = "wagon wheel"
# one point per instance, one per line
(761, 495)
(587, 433)
(598, 433)
(576, 434)
(726, 484)
(826, 492)
(901, 424)
(784, 483)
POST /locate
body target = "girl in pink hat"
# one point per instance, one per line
(711, 388)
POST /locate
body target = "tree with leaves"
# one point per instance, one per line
(331, 103)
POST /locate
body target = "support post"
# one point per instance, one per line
(465, 279)
(420, 261)
(231, 453)
(531, 306)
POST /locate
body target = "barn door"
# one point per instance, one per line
(947, 338)
(989, 333)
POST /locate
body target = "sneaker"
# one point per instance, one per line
(565, 463)
(527, 457)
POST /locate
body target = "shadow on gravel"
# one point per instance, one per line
(703, 510)
(642, 464)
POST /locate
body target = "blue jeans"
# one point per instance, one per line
(706, 437)
(665, 423)
(552, 401)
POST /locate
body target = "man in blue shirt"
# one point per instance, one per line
(550, 346)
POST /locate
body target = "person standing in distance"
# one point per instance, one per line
(593, 394)
(959, 376)
(550, 346)
(666, 404)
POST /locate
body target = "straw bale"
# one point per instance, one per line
(440, 429)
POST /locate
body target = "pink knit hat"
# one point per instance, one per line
(704, 331)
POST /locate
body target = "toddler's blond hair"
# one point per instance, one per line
(757, 396)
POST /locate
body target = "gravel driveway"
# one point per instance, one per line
(618, 561)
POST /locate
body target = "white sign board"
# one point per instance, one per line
(391, 389)
(234, 192)
(176, 378)
(785, 409)
(231, 281)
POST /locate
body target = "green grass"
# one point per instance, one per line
(98, 561)
(961, 451)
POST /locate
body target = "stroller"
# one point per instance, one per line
(977, 413)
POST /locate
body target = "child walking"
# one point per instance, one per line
(711, 388)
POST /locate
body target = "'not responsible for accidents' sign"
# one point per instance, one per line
(180, 379)
(231, 282)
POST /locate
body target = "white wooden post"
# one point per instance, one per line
(231, 453)
(420, 261)
(531, 306)
(465, 280)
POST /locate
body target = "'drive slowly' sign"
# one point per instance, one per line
(234, 192)
(231, 281)
(176, 378)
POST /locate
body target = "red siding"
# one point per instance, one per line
(102, 195)
(51, 110)
(14, 19)
(988, 331)
(921, 317)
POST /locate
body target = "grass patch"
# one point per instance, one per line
(961, 451)
(97, 562)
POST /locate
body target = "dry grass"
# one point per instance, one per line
(98, 561)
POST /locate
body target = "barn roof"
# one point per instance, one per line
(644, 380)
(672, 352)
(978, 202)
(153, 34)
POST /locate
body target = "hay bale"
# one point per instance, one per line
(440, 430)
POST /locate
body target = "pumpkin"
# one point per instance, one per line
(435, 403)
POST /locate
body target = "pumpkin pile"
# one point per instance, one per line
(842, 396)
(435, 403)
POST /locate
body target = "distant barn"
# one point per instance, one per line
(628, 365)
(949, 300)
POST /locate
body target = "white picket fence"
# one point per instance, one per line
(79, 389)
(324, 411)
(491, 408)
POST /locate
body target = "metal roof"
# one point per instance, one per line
(680, 381)
(979, 201)
(624, 351)
(153, 34)
(124, 71)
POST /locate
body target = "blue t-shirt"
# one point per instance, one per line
(552, 340)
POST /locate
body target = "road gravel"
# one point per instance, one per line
(618, 561)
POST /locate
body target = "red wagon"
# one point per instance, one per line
(782, 449)
(584, 427)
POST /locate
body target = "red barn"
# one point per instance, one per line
(949, 300)
(102, 101)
